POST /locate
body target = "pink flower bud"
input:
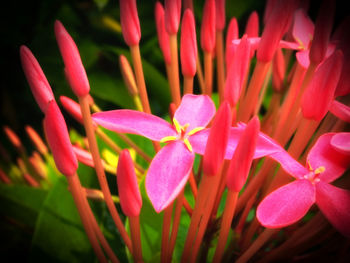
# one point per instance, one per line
(36, 79)
(130, 22)
(243, 156)
(252, 27)
(128, 75)
(276, 25)
(14, 139)
(188, 51)
(232, 33)
(75, 70)
(319, 94)
(57, 135)
(129, 193)
(220, 14)
(172, 15)
(208, 29)
(237, 72)
(188, 4)
(217, 140)
(163, 36)
(36, 139)
(323, 29)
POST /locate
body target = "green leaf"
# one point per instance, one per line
(21, 203)
(59, 235)
(110, 89)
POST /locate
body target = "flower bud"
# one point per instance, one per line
(128, 75)
(278, 70)
(129, 193)
(188, 48)
(319, 95)
(163, 36)
(74, 69)
(14, 139)
(217, 140)
(57, 135)
(220, 14)
(172, 15)
(130, 22)
(208, 28)
(36, 139)
(232, 33)
(323, 29)
(252, 27)
(243, 156)
(37, 81)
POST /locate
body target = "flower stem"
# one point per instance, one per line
(208, 73)
(220, 68)
(140, 80)
(249, 101)
(200, 75)
(84, 104)
(174, 80)
(188, 85)
(225, 224)
(136, 238)
(258, 243)
(165, 232)
(76, 191)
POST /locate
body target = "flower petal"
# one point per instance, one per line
(334, 203)
(303, 28)
(135, 122)
(340, 110)
(168, 173)
(323, 154)
(286, 205)
(196, 110)
(341, 142)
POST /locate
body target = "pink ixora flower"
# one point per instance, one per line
(326, 162)
(170, 168)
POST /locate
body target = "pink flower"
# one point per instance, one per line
(170, 168)
(289, 203)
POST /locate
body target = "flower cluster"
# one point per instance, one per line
(224, 154)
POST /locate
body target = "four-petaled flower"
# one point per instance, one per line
(289, 203)
(171, 167)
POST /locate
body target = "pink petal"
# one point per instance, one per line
(303, 29)
(128, 189)
(135, 122)
(334, 203)
(217, 141)
(199, 140)
(303, 58)
(341, 142)
(196, 110)
(168, 174)
(289, 164)
(340, 110)
(286, 205)
(323, 154)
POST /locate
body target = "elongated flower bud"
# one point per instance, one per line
(75, 70)
(237, 72)
(220, 14)
(172, 15)
(36, 139)
(208, 28)
(188, 48)
(129, 193)
(217, 141)
(320, 93)
(4, 178)
(163, 36)
(36, 79)
(277, 24)
(232, 33)
(243, 156)
(128, 75)
(14, 139)
(252, 27)
(57, 135)
(130, 22)
(323, 29)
